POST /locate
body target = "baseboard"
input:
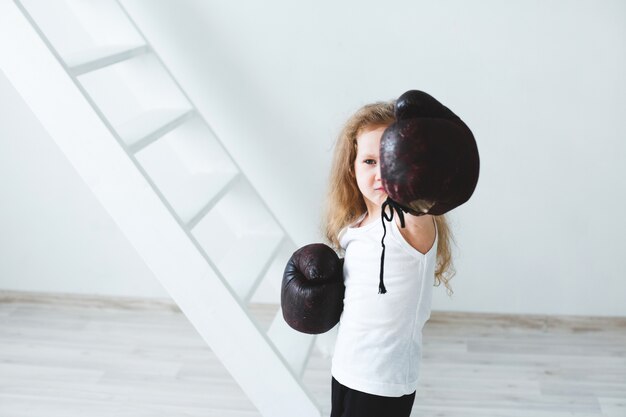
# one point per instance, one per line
(537, 321)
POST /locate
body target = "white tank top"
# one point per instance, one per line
(379, 340)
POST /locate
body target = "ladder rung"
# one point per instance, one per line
(143, 131)
(102, 57)
(263, 271)
(243, 260)
(200, 215)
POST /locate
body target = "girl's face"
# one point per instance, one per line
(367, 167)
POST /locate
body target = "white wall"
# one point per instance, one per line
(538, 82)
(541, 84)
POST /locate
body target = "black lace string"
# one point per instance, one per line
(383, 216)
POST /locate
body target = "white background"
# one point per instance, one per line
(541, 85)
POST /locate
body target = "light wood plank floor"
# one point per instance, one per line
(69, 356)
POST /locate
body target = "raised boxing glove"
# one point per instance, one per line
(429, 160)
(312, 289)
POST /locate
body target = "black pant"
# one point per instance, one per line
(347, 402)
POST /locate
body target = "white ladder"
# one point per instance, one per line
(134, 136)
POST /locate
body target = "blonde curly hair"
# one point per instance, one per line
(344, 202)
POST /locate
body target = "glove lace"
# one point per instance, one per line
(383, 216)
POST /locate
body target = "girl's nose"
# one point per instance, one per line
(377, 175)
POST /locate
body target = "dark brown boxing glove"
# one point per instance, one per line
(312, 289)
(428, 158)
(429, 162)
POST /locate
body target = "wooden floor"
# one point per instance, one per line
(94, 357)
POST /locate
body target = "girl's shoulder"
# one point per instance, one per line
(420, 231)
(355, 226)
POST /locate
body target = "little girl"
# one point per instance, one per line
(376, 362)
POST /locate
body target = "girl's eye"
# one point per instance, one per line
(370, 161)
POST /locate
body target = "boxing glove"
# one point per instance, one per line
(429, 161)
(312, 289)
